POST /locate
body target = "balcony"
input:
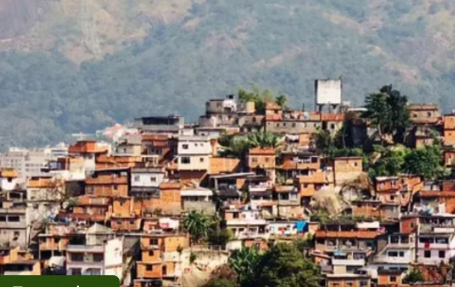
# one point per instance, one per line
(250, 235)
(86, 248)
(84, 265)
(105, 180)
(18, 225)
(19, 273)
(389, 259)
(348, 262)
(12, 210)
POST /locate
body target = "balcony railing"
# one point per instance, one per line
(85, 248)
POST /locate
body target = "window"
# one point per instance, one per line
(393, 254)
(137, 178)
(235, 215)
(131, 221)
(201, 159)
(153, 241)
(153, 179)
(442, 254)
(76, 271)
(267, 159)
(149, 268)
(77, 257)
(114, 187)
(429, 114)
(364, 283)
(98, 257)
(442, 240)
(427, 254)
(401, 254)
(355, 164)
(254, 159)
(2, 218)
(56, 240)
(13, 219)
(412, 224)
(393, 279)
(151, 253)
(185, 160)
(185, 146)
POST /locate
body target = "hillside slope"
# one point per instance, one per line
(72, 66)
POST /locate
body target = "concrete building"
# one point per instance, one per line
(168, 124)
(27, 163)
(193, 153)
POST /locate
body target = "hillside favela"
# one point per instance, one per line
(255, 193)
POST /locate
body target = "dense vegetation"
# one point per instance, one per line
(283, 265)
(219, 46)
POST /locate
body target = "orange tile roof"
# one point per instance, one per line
(41, 182)
(430, 193)
(8, 172)
(170, 185)
(262, 151)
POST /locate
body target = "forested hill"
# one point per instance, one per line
(79, 65)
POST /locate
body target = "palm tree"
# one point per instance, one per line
(282, 101)
(197, 225)
(264, 139)
(243, 262)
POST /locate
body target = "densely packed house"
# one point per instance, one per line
(116, 207)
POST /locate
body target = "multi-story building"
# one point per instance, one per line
(112, 182)
(27, 163)
(245, 222)
(161, 258)
(87, 257)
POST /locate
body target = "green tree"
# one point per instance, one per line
(387, 161)
(263, 139)
(285, 266)
(244, 262)
(217, 235)
(426, 161)
(282, 101)
(414, 276)
(234, 146)
(258, 96)
(388, 113)
(197, 225)
(325, 143)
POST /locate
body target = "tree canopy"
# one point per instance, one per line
(388, 113)
(285, 266)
